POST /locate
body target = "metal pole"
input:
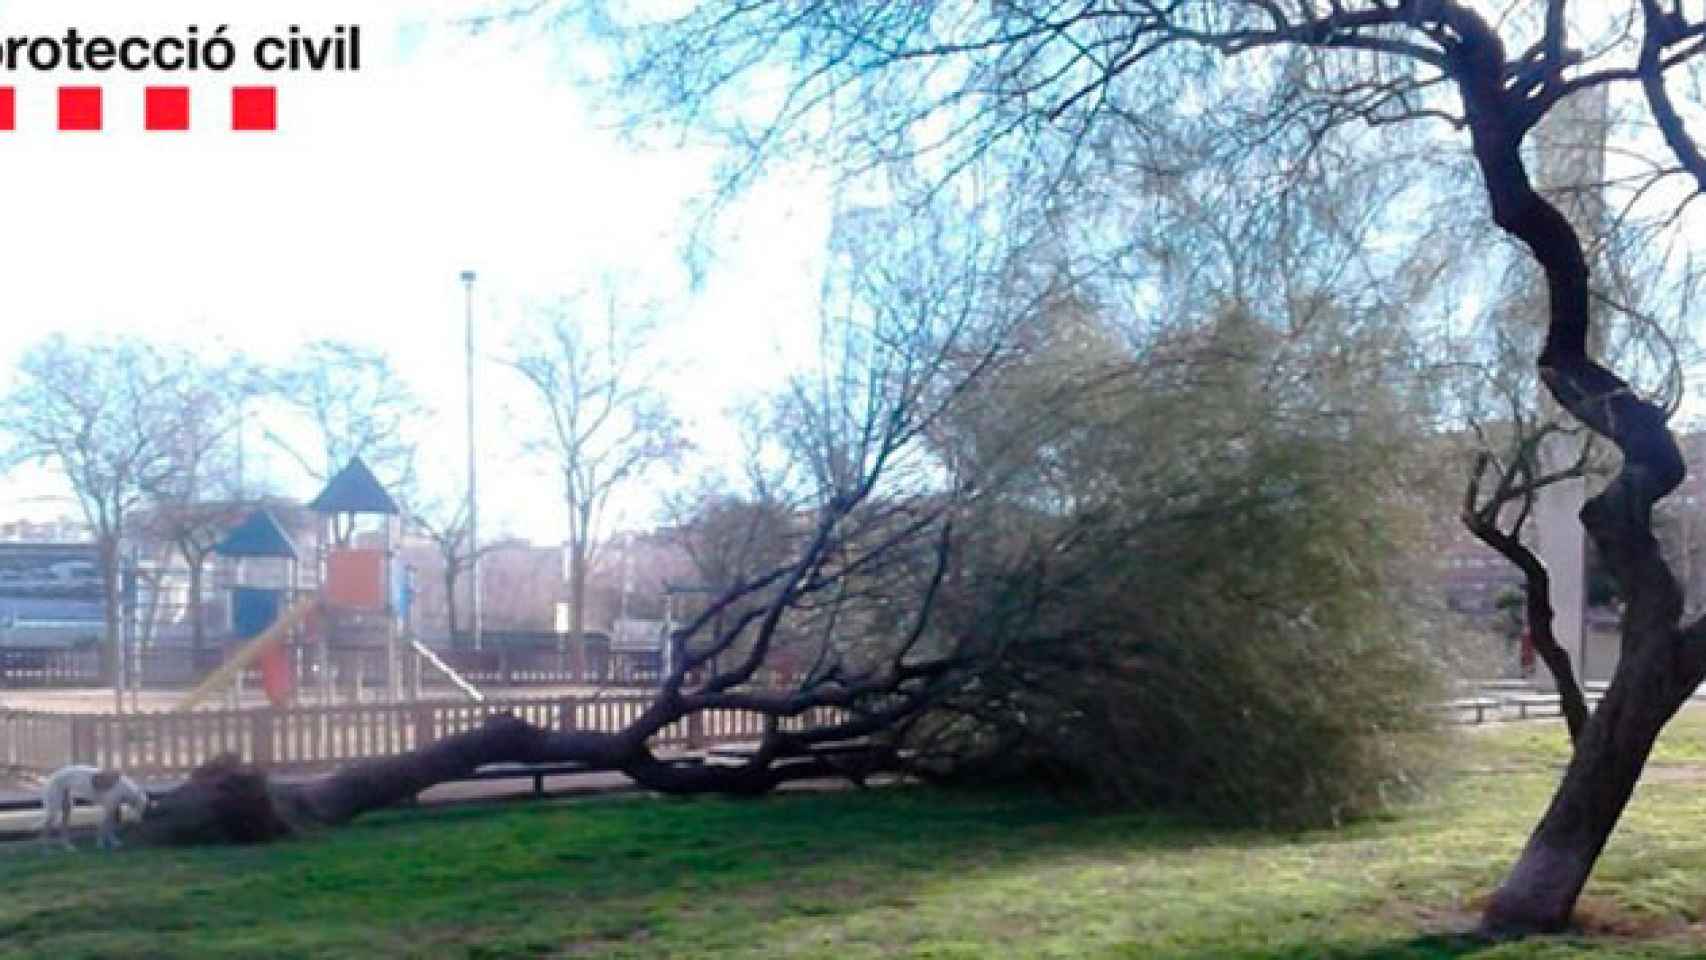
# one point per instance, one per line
(627, 569)
(473, 511)
(118, 579)
(132, 628)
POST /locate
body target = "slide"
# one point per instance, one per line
(444, 668)
(250, 652)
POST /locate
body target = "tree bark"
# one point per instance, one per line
(1541, 891)
(450, 577)
(1539, 613)
(577, 601)
(226, 801)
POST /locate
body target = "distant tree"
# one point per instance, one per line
(445, 524)
(860, 584)
(102, 415)
(603, 423)
(1021, 96)
(521, 584)
(733, 527)
(198, 499)
(351, 403)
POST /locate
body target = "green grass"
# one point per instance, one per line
(883, 873)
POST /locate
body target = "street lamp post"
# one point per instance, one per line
(473, 502)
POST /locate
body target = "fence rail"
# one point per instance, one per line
(305, 738)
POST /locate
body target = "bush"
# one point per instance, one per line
(1211, 610)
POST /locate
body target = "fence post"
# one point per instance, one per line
(696, 730)
(566, 713)
(83, 740)
(423, 724)
(260, 737)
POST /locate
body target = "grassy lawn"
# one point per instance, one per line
(885, 873)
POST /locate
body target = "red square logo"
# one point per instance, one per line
(167, 108)
(8, 109)
(79, 108)
(254, 108)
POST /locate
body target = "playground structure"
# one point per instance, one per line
(312, 605)
(355, 621)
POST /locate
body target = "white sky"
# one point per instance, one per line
(446, 151)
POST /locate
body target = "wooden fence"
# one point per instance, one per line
(34, 741)
(45, 669)
(50, 668)
(305, 738)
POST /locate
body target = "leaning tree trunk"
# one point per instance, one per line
(1659, 665)
(1541, 891)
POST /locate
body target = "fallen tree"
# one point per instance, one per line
(227, 801)
(851, 610)
(1019, 93)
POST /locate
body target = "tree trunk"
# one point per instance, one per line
(450, 598)
(577, 600)
(225, 801)
(1657, 669)
(1541, 891)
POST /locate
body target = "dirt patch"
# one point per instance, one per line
(1596, 917)
(1674, 773)
(1602, 917)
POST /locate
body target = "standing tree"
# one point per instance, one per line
(352, 404)
(101, 414)
(445, 523)
(604, 426)
(1018, 94)
(732, 529)
(860, 587)
(196, 501)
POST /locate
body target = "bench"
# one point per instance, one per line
(855, 755)
(1550, 704)
(1481, 706)
(838, 748)
(538, 771)
(1495, 688)
(1547, 703)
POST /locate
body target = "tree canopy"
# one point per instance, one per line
(1034, 106)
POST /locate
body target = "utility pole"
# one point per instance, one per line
(473, 500)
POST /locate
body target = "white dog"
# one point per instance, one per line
(108, 788)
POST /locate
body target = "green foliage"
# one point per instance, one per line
(1208, 608)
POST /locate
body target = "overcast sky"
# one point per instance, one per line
(447, 151)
